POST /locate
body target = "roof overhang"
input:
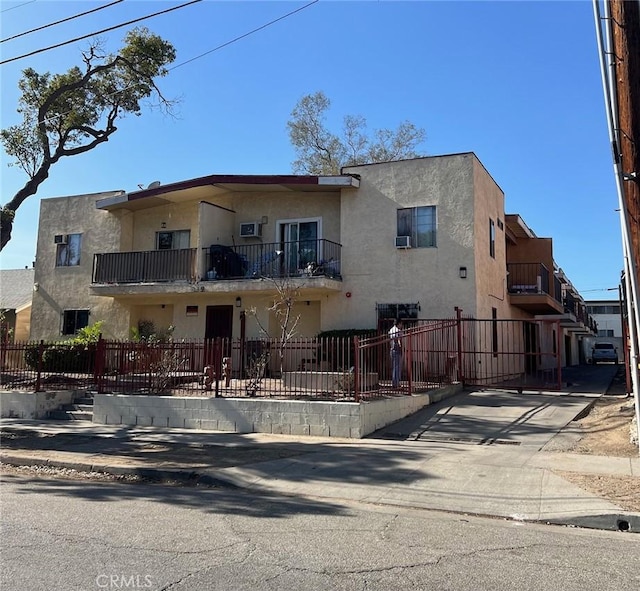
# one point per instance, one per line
(517, 227)
(218, 184)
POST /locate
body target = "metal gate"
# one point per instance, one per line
(510, 354)
(513, 354)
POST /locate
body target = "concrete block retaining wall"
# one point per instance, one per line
(33, 405)
(240, 415)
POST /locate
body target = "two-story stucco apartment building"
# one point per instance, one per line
(412, 238)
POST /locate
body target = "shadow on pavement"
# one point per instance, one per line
(233, 502)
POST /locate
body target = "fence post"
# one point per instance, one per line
(39, 374)
(558, 354)
(459, 344)
(99, 364)
(356, 368)
(408, 340)
(217, 364)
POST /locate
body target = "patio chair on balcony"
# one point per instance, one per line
(264, 265)
(225, 262)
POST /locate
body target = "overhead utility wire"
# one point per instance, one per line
(225, 44)
(244, 35)
(13, 59)
(64, 20)
(19, 5)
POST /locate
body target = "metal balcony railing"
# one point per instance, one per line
(145, 266)
(301, 258)
(527, 278)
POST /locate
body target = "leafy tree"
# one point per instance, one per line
(71, 113)
(320, 151)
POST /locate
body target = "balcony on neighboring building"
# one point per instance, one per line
(528, 285)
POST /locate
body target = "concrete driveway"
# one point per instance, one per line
(500, 417)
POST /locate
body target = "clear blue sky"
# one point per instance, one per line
(518, 83)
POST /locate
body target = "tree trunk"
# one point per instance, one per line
(8, 211)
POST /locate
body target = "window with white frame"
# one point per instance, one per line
(68, 252)
(419, 223)
(173, 240)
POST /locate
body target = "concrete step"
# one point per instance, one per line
(85, 400)
(70, 415)
(78, 407)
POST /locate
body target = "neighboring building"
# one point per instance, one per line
(607, 315)
(16, 292)
(413, 238)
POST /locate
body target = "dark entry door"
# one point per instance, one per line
(530, 347)
(219, 322)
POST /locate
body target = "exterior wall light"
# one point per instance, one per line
(238, 302)
(463, 272)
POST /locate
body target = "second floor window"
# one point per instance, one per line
(68, 253)
(173, 240)
(420, 224)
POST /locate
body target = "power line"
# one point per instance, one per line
(64, 20)
(19, 6)
(223, 44)
(244, 35)
(13, 59)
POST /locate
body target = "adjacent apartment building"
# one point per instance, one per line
(411, 239)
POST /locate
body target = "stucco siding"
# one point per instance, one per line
(57, 289)
(375, 271)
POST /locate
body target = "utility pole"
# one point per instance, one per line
(624, 30)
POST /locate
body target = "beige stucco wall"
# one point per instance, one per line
(175, 216)
(252, 207)
(375, 271)
(67, 288)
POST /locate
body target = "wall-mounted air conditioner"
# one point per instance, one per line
(403, 241)
(250, 230)
(60, 239)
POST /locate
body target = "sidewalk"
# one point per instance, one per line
(508, 481)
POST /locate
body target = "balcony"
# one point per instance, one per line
(151, 266)
(304, 258)
(528, 287)
(313, 263)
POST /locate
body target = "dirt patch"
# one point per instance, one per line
(621, 490)
(606, 431)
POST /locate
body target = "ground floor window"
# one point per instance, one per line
(74, 320)
(389, 312)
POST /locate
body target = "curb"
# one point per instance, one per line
(622, 522)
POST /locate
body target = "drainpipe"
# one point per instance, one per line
(631, 279)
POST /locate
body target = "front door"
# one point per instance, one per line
(219, 322)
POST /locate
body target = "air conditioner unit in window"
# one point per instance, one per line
(250, 230)
(60, 239)
(403, 241)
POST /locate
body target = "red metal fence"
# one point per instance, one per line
(492, 353)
